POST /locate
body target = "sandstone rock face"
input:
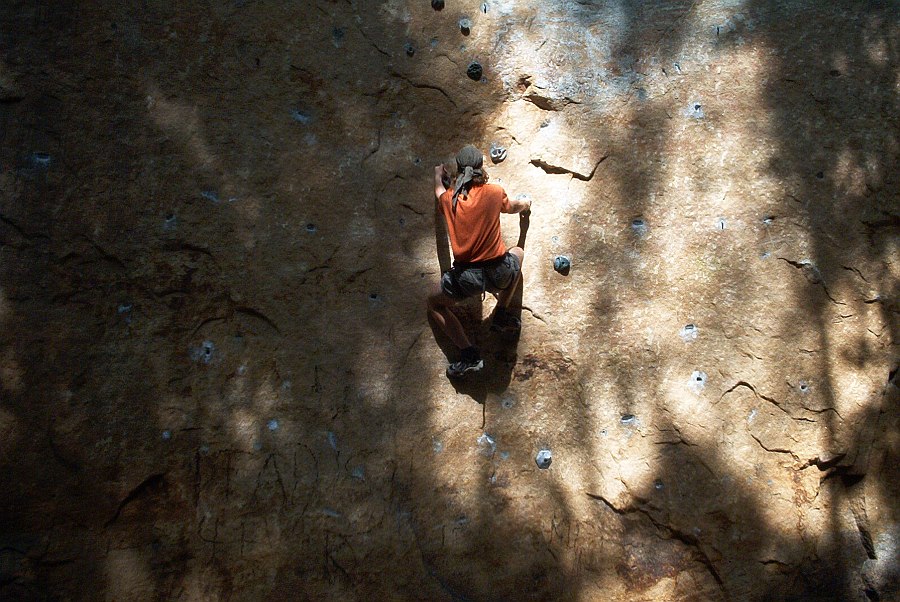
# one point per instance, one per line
(217, 234)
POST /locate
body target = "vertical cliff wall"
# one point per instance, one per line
(217, 234)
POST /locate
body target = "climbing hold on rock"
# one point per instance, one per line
(562, 264)
(486, 445)
(409, 48)
(698, 381)
(465, 25)
(484, 7)
(803, 386)
(311, 228)
(337, 37)
(689, 332)
(41, 159)
(695, 110)
(437, 4)
(124, 310)
(300, 117)
(204, 353)
(639, 226)
(475, 71)
(543, 459)
(627, 419)
(497, 153)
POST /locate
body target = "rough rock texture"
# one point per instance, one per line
(217, 234)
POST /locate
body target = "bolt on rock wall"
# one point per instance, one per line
(217, 232)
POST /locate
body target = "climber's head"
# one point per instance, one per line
(470, 167)
(470, 157)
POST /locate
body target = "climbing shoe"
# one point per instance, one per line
(462, 368)
(469, 363)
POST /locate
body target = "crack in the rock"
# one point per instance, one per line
(890, 221)
(207, 321)
(861, 517)
(259, 479)
(546, 103)
(152, 481)
(679, 438)
(198, 477)
(534, 313)
(374, 150)
(352, 278)
(422, 86)
(822, 465)
(70, 464)
(610, 505)
(410, 348)
(813, 275)
(743, 383)
(558, 170)
(411, 208)
(177, 246)
(857, 272)
(325, 265)
(20, 231)
(255, 313)
(103, 253)
(770, 561)
(689, 540)
(775, 450)
(816, 411)
(372, 42)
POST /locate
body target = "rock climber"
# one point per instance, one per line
(481, 261)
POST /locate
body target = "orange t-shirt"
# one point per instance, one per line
(474, 228)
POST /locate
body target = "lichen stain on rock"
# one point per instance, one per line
(643, 566)
(553, 365)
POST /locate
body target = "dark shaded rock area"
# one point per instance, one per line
(217, 380)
